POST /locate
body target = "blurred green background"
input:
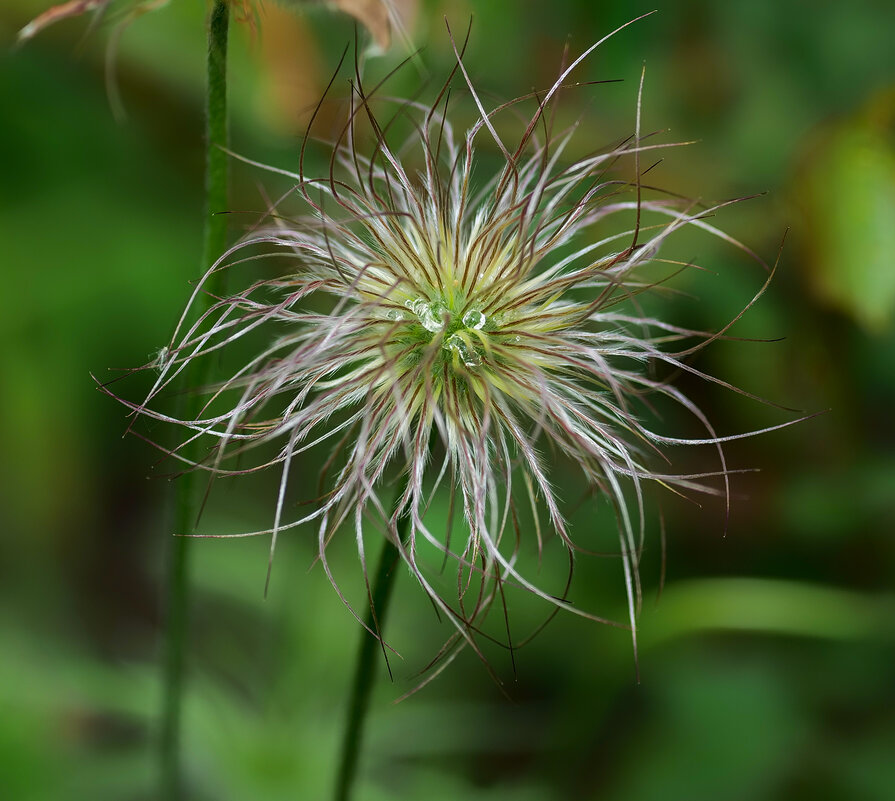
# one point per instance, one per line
(768, 664)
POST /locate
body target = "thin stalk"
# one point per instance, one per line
(368, 659)
(186, 500)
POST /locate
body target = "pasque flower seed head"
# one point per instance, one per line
(452, 328)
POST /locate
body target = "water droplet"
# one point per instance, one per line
(430, 314)
(474, 319)
(394, 314)
(466, 354)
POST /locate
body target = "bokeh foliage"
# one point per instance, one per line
(768, 661)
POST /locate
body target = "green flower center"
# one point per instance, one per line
(458, 333)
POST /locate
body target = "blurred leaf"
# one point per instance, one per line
(73, 8)
(769, 606)
(292, 80)
(846, 189)
(374, 15)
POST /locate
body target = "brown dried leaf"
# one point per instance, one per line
(373, 15)
(292, 80)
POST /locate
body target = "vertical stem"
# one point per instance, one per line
(366, 665)
(177, 568)
(216, 136)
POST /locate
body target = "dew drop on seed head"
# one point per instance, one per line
(429, 319)
(468, 356)
(429, 314)
(474, 319)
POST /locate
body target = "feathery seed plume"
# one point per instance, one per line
(450, 330)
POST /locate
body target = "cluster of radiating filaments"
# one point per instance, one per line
(443, 334)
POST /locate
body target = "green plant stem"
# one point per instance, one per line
(367, 663)
(216, 137)
(186, 501)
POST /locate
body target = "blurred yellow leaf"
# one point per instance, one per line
(846, 191)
